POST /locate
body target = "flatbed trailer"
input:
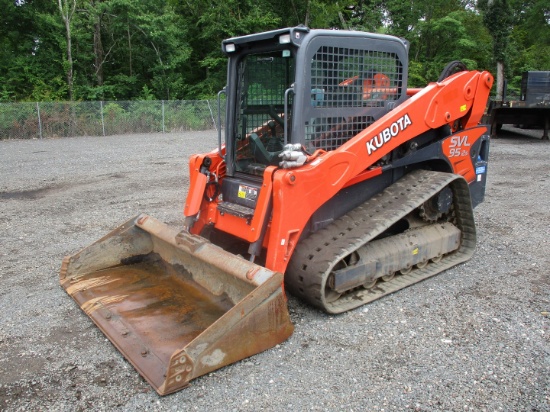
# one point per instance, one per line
(531, 111)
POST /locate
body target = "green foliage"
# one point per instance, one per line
(113, 111)
(146, 116)
(29, 64)
(54, 90)
(18, 120)
(451, 38)
(416, 74)
(498, 18)
(187, 117)
(170, 49)
(530, 37)
(146, 93)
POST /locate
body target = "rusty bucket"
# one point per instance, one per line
(174, 304)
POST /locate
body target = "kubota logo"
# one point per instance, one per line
(388, 133)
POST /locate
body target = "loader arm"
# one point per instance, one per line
(458, 101)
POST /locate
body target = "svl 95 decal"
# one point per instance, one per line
(458, 149)
(458, 146)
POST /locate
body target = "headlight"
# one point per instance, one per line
(284, 39)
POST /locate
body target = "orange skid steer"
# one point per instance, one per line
(335, 182)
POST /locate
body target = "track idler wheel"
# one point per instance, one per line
(331, 295)
(437, 205)
(422, 265)
(406, 271)
(388, 277)
(370, 284)
(437, 259)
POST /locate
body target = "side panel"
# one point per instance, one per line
(477, 187)
(347, 199)
(458, 150)
(468, 152)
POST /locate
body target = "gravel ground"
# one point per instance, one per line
(476, 337)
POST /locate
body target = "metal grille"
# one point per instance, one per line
(328, 133)
(351, 81)
(355, 78)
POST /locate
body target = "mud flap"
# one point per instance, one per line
(174, 304)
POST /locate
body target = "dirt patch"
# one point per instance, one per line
(32, 194)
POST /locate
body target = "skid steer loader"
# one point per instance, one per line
(335, 182)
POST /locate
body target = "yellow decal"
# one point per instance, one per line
(463, 108)
(242, 194)
(415, 251)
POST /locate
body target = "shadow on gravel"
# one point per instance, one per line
(521, 135)
(32, 194)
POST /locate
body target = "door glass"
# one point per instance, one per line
(262, 82)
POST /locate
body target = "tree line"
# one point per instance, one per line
(54, 50)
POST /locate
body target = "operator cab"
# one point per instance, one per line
(261, 74)
(316, 89)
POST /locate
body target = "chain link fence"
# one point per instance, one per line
(65, 119)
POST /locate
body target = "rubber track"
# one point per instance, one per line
(315, 256)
